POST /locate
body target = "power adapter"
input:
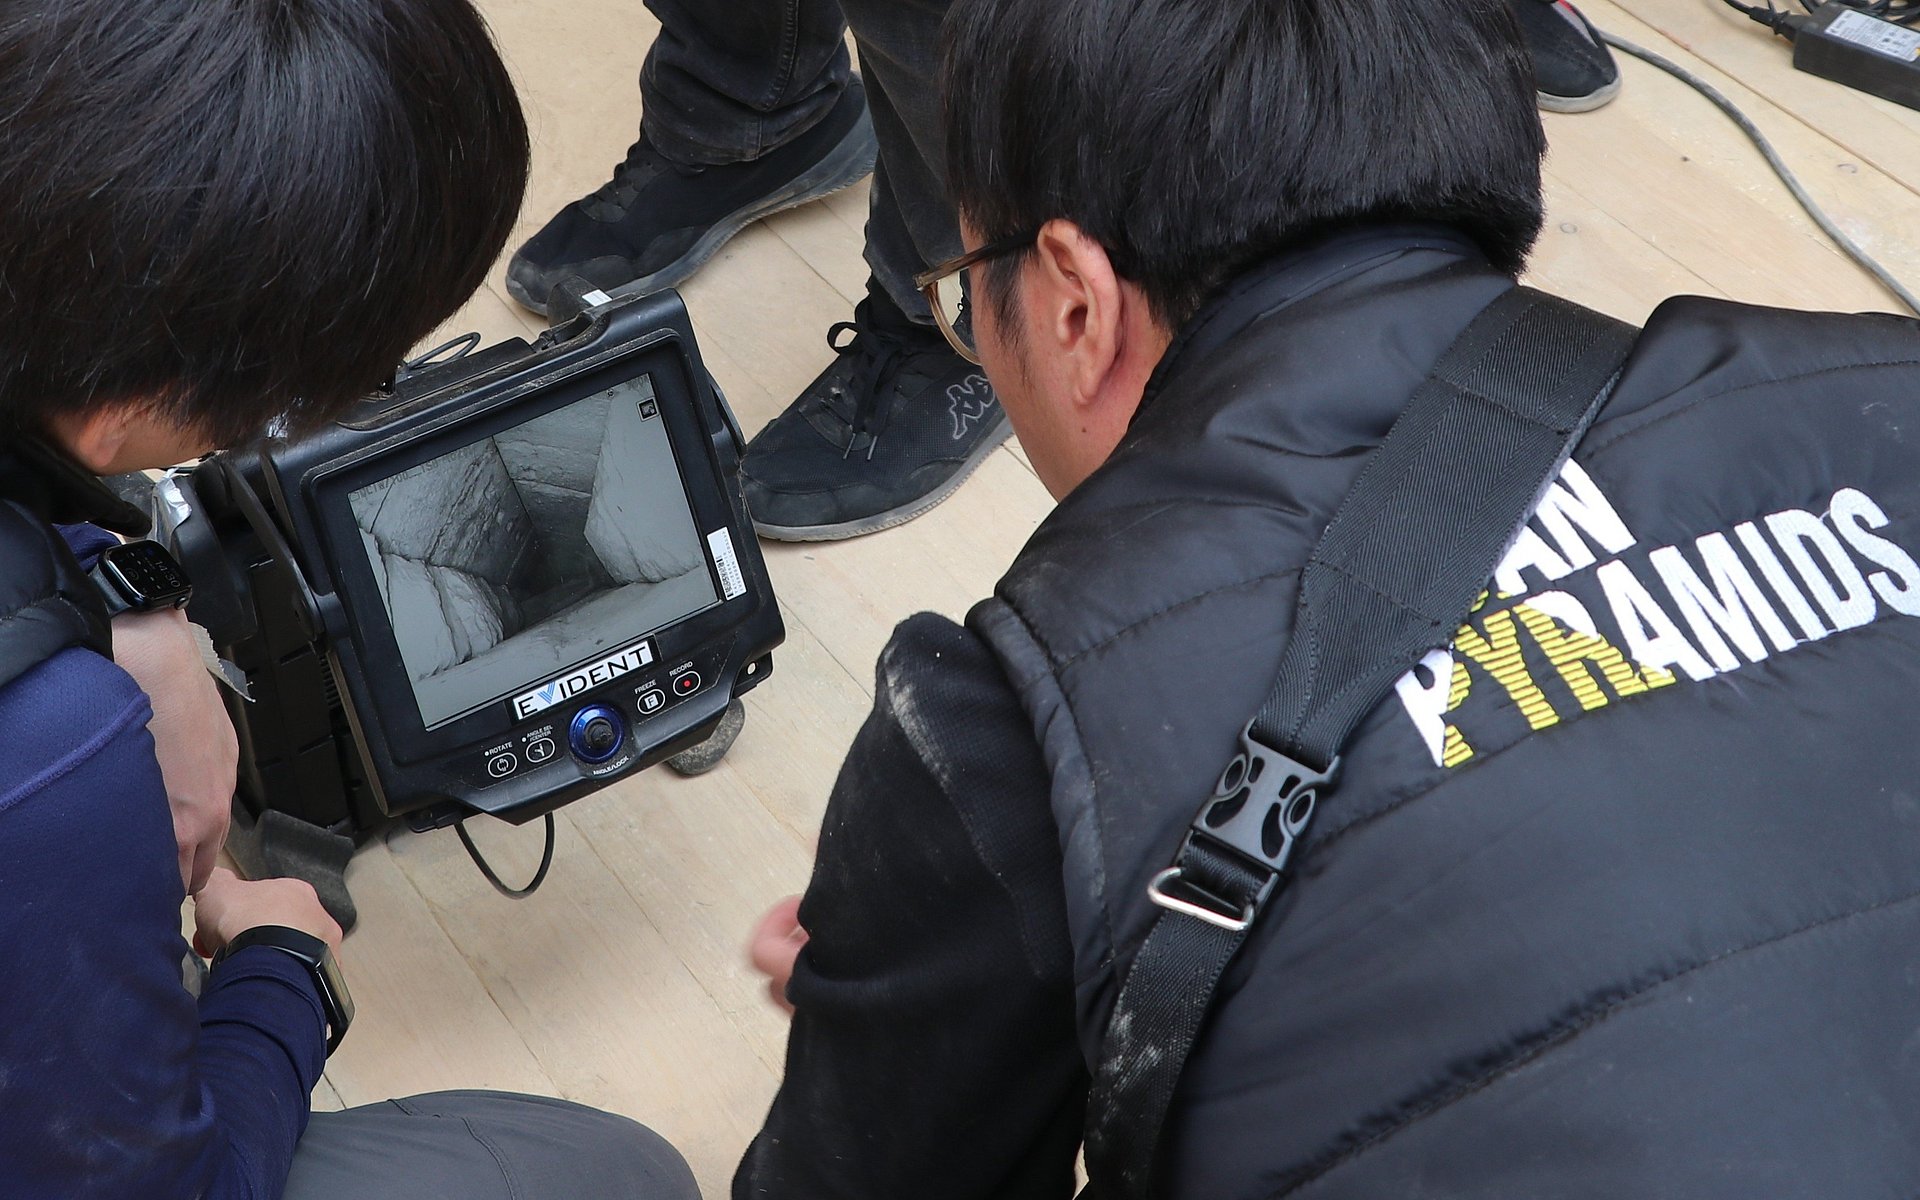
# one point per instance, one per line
(1839, 42)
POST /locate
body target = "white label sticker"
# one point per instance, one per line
(1882, 37)
(612, 667)
(732, 582)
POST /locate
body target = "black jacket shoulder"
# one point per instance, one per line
(46, 602)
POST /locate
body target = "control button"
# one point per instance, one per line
(598, 738)
(597, 733)
(652, 701)
(539, 750)
(686, 683)
(502, 765)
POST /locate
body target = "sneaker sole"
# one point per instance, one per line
(850, 161)
(1579, 104)
(893, 516)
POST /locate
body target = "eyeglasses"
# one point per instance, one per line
(948, 291)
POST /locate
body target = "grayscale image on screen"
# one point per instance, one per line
(510, 560)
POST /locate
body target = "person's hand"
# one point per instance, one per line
(775, 945)
(229, 906)
(192, 735)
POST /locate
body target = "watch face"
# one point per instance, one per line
(146, 573)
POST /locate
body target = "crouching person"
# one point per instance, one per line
(217, 213)
(1616, 896)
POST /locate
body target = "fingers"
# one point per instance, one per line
(229, 905)
(200, 830)
(199, 861)
(777, 938)
(199, 761)
(782, 918)
(193, 737)
(209, 906)
(219, 879)
(775, 945)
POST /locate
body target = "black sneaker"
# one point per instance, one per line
(655, 222)
(888, 431)
(1573, 70)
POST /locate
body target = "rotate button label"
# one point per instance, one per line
(502, 765)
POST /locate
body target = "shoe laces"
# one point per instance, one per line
(878, 355)
(611, 200)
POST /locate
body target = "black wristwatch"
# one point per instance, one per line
(318, 958)
(140, 577)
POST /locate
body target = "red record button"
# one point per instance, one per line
(686, 683)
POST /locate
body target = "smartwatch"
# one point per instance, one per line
(140, 577)
(317, 957)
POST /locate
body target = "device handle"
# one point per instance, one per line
(306, 607)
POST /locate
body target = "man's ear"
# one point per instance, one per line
(96, 438)
(1081, 307)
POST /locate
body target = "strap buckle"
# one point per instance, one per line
(1224, 917)
(1259, 810)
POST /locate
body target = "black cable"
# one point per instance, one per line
(1900, 12)
(1780, 168)
(539, 877)
(1782, 23)
(459, 347)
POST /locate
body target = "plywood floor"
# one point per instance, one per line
(622, 983)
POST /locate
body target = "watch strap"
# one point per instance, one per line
(314, 954)
(297, 942)
(115, 600)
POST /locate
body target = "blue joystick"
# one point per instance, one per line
(597, 733)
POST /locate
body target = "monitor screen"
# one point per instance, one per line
(510, 560)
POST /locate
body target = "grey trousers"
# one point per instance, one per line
(484, 1146)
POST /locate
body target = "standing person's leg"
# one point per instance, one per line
(910, 224)
(899, 420)
(747, 107)
(726, 82)
(484, 1146)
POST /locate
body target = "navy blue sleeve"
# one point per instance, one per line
(932, 1052)
(87, 542)
(262, 1048)
(113, 1083)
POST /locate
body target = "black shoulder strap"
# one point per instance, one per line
(46, 602)
(1399, 567)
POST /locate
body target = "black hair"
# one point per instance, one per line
(1191, 138)
(241, 209)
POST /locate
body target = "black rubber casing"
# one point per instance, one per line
(333, 735)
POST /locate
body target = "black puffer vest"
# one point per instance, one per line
(46, 602)
(1621, 897)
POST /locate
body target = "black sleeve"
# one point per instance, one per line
(932, 1052)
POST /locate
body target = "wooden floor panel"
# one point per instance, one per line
(622, 983)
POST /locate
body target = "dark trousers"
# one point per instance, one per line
(728, 80)
(484, 1146)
